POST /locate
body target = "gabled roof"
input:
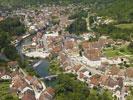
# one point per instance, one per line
(18, 83)
(77, 67)
(111, 82)
(85, 44)
(48, 94)
(29, 95)
(129, 72)
(12, 63)
(95, 79)
(114, 70)
(69, 44)
(34, 81)
(108, 81)
(56, 49)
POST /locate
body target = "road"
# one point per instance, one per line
(122, 93)
(76, 60)
(22, 71)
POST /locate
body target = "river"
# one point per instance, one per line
(42, 68)
(42, 71)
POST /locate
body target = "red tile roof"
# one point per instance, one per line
(129, 72)
(77, 67)
(93, 54)
(12, 63)
(81, 75)
(28, 95)
(108, 81)
(114, 70)
(69, 44)
(18, 82)
(56, 49)
(95, 79)
(47, 94)
(50, 90)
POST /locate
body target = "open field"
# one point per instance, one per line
(125, 26)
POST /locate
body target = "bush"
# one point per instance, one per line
(130, 47)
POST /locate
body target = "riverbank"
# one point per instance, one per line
(33, 58)
(42, 69)
(37, 54)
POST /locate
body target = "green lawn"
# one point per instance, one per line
(5, 92)
(111, 53)
(125, 26)
(118, 51)
(124, 50)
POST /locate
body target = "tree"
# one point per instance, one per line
(8, 28)
(130, 96)
(78, 26)
(54, 67)
(12, 26)
(11, 52)
(130, 47)
(4, 39)
(79, 14)
(131, 16)
(91, 20)
(68, 88)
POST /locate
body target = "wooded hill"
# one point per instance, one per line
(121, 10)
(25, 3)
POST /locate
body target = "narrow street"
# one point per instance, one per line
(37, 94)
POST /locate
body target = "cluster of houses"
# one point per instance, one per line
(48, 23)
(110, 77)
(108, 73)
(37, 20)
(25, 86)
(76, 55)
(86, 60)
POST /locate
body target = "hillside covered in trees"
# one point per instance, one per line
(25, 3)
(8, 28)
(121, 10)
(118, 9)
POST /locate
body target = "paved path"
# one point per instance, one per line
(22, 71)
(122, 93)
(93, 70)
